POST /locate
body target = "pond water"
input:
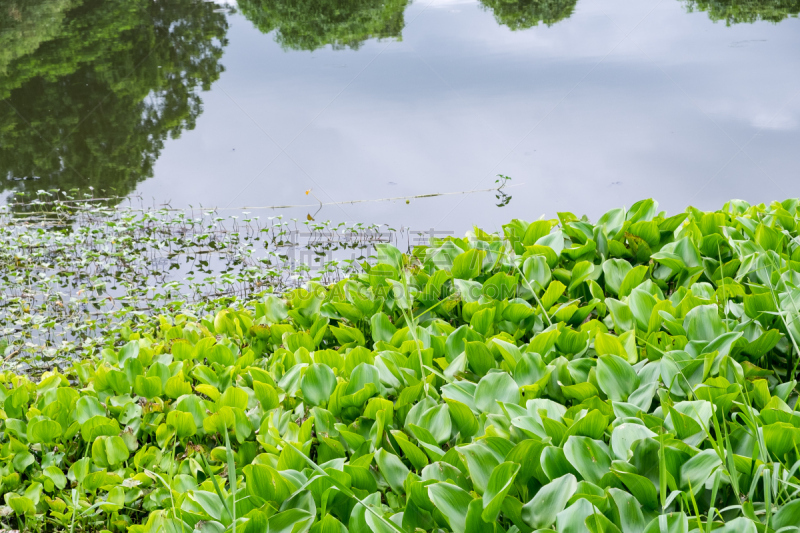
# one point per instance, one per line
(585, 104)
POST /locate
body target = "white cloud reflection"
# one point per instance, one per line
(611, 105)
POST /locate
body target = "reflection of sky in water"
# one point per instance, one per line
(623, 100)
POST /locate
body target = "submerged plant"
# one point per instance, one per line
(632, 375)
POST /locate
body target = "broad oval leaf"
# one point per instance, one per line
(550, 500)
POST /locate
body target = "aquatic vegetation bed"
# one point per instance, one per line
(632, 375)
(77, 271)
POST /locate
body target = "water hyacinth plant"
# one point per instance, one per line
(633, 375)
(74, 270)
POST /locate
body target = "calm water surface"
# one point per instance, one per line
(586, 105)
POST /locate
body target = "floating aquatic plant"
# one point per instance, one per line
(632, 375)
(74, 270)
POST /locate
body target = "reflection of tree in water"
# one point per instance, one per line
(521, 14)
(92, 102)
(738, 11)
(24, 24)
(312, 24)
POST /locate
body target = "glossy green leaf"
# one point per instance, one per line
(500, 482)
(468, 264)
(589, 457)
(392, 469)
(44, 431)
(616, 377)
(453, 502)
(493, 388)
(317, 384)
(550, 500)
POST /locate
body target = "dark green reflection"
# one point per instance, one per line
(91, 89)
(26, 24)
(738, 11)
(313, 24)
(521, 14)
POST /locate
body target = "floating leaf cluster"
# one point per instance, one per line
(632, 375)
(74, 271)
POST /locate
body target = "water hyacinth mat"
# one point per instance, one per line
(632, 375)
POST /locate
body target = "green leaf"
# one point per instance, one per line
(177, 386)
(703, 323)
(580, 273)
(589, 457)
(86, 407)
(493, 388)
(780, 438)
(552, 294)
(615, 271)
(669, 523)
(629, 509)
(468, 264)
(233, 397)
(116, 450)
(500, 286)
(536, 270)
(275, 309)
(382, 328)
(787, 515)
(220, 354)
(573, 518)
(592, 425)
(550, 500)
(453, 502)
(622, 315)
(267, 395)
(183, 423)
(462, 417)
(482, 321)
(535, 231)
(616, 377)
(147, 387)
(579, 392)
(109, 451)
(265, 484)
(606, 344)
(301, 339)
(743, 525)
(437, 421)
(500, 482)
(647, 231)
(417, 458)
(474, 522)
(516, 311)
(98, 426)
(481, 461)
(632, 280)
(641, 488)
(346, 334)
(44, 431)
(641, 304)
(392, 469)
(598, 523)
(380, 274)
(757, 304)
(20, 504)
(317, 384)
(290, 521)
(479, 357)
(118, 381)
(769, 238)
(697, 470)
(625, 435)
(328, 524)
